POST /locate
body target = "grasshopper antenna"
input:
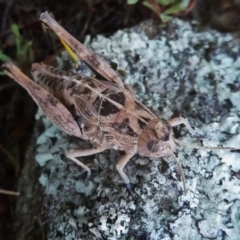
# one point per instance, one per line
(187, 144)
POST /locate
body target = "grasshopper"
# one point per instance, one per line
(104, 112)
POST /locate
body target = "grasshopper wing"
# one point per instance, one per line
(55, 110)
(85, 54)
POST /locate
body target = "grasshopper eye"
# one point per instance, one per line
(166, 134)
(163, 130)
(153, 146)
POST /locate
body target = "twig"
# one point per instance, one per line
(9, 192)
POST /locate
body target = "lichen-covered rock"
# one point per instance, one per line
(173, 69)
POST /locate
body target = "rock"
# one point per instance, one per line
(173, 69)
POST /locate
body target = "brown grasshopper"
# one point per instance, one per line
(105, 112)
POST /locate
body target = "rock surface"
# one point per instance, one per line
(174, 69)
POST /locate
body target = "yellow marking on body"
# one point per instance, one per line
(69, 50)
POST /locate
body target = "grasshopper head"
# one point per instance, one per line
(156, 139)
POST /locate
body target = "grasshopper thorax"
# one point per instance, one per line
(156, 139)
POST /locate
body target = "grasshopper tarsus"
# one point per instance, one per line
(129, 188)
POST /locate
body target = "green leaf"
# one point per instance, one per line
(4, 57)
(24, 52)
(184, 3)
(132, 1)
(164, 2)
(165, 18)
(15, 30)
(177, 7)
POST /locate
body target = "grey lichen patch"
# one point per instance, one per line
(178, 70)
